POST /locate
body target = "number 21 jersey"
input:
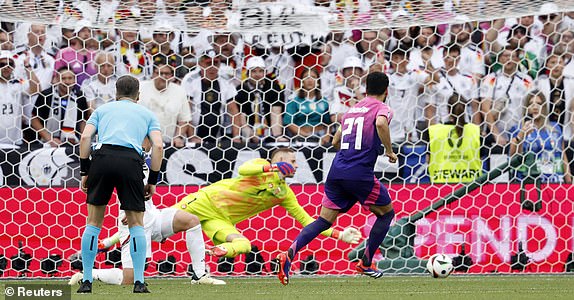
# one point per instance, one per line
(359, 141)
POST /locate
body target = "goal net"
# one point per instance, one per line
(482, 93)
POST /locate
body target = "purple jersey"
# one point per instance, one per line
(359, 141)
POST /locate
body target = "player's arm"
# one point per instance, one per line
(337, 139)
(349, 235)
(85, 163)
(257, 166)
(156, 158)
(384, 133)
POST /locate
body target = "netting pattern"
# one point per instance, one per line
(482, 95)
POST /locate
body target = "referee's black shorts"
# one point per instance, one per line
(120, 168)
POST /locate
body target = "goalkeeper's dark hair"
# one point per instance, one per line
(280, 150)
(127, 86)
(377, 83)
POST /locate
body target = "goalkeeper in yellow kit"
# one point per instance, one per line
(260, 186)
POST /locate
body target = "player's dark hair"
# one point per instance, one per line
(280, 151)
(377, 83)
(127, 86)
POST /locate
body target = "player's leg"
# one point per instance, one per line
(90, 244)
(228, 240)
(335, 200)
(379, 203)
(130, 190)
(308, 234)
(171, 221)
(137, 243)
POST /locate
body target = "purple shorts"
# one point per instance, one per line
(343, 194)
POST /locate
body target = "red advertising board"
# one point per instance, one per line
(490, 222)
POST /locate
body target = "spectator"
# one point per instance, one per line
(454, 147)
(307, 112)
(101, 88)
(281, 67)
(172, 15)
(341, 48)
(162, 53)
(329, 73)
(565, 47)
(503, 95)
(131, 56)
(349, 90)
(41, 63)
(537, 134)
(6, 41)
(169, 102)
(452, 81)
(225, 46)
(77, 57)
(517, 40)
(552, 84)
(60, 112)
(210, 100)
(471, 57)
(550, 17)
(426, 42)
(261, 103)
(12, 98)
(370, 48)
(403, 91)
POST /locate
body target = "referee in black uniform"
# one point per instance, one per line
(122, 126)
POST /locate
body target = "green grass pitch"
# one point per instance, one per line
(353, 288)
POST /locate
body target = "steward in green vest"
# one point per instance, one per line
(454, 149)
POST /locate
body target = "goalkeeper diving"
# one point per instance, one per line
(260, 186)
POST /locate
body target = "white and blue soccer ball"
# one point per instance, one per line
(440, 266)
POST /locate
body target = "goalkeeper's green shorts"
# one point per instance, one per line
(213, 223)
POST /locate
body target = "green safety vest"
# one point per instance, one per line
(453, 160)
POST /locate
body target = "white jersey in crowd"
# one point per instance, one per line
(283, 66)
(416, 59)
(11, 111)
(471, 60)
(543, 85)
(402, 98)
(170, 106)
(98, 93)
(439, 94)
(340, 52)
(43, 67)
(507, 94)
(328, 81)
(192, 86)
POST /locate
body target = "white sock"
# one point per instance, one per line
(196, 249)
(110, 276)
(112, 240)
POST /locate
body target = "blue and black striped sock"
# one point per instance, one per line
(89, 250)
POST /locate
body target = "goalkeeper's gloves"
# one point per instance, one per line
(284, 168)
(349, 235)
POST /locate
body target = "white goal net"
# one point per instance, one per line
(482, 92)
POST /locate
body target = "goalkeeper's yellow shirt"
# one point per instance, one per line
(252, 192)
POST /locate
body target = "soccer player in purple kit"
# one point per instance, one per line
(351, 178)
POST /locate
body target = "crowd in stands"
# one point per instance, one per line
(514, 76)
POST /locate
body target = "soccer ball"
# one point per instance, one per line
(440, 266)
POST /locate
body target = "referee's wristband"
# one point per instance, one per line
(153, 177)
(85, 164)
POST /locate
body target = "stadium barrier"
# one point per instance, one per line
(489, 223)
